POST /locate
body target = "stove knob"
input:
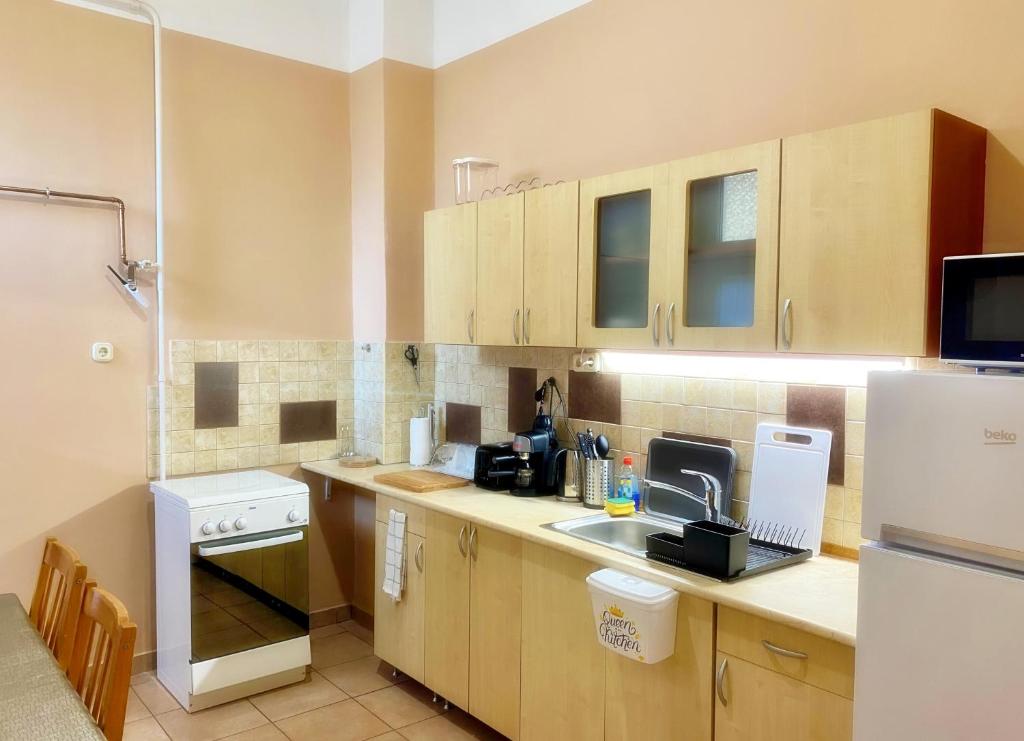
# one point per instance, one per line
(207, 528)
(293, 516)
(241, 523)
(225, 526)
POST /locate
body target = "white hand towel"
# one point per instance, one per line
(394, 556)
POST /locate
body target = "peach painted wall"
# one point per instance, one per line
(257, 178)
(617, 84)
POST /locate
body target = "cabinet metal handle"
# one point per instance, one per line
(469, 324)
(720, 682)
(526, 328)
(783, 651)
(669, 329)
(472, 542)
(462, 541)
(418, 558)
(654, 324)
(515, 326)
(786, 327)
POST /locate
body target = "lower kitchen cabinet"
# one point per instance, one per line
(446, 613)
(398, 626)
(757, 704)
(563, 665)
(495, 628)
(670, 699)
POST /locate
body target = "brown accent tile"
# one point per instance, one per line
(706, 439)
(462, 423)
(821, 408)
(522, 407)
(308, 421)
(216, 395)
(596, 396)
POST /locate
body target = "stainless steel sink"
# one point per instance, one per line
(624, 534)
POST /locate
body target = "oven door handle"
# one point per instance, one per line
(249, 545)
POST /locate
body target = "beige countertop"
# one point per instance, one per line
(819, 595)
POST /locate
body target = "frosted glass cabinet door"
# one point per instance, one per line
(723, 249)
(622, 259)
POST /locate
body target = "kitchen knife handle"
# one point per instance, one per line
(783, 651)
(654, 324)
(418, 557)
(462, 541)
(786, 328)
(720, 682)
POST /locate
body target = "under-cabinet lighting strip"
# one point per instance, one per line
(772, 368)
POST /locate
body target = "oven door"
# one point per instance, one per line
(983, 310)
(249, 591)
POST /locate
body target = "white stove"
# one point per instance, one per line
(232, 583)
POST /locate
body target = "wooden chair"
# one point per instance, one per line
(58, 599)
(101, 663)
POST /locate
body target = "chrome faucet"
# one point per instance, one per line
(712, 493)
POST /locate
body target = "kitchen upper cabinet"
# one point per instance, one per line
(623, 260)
(446, 614)
(549, 265)
(756, 704)
(495, 632)
(449, 274)
(563, 664)
(670, 699)
(499, 277)
(398, 626)
(723, 222)
(868, 212)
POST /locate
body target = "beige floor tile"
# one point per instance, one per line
(343, 721)
(213, 723)
(142, 677)
(360, 676)
(453, 726)
(314, 693)
(268, 732)
(146, 729)
(401, 705)
(338, 648)
(358, 630)
(136, 709)
(327, 630)
(153, 695)
(389, 736)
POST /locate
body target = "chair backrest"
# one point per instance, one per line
(101, 663)
(58, 599)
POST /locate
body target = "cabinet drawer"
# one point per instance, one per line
(416, 517)
(828, 665)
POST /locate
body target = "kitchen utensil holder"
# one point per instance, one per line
(572, 492)
(597, 482)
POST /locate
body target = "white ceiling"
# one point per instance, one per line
(349, 34)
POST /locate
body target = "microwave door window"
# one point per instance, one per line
(249, 598)
(994, 311)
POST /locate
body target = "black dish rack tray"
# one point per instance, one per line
(762, 556)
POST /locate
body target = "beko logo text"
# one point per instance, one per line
(1000, 437)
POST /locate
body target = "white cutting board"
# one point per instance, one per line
(789, 479)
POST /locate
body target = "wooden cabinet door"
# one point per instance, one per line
(398, 626)
(853, 249)
(446, 614)
(550, 255)
(499, 287)
(562, 662)
(723, 244)
(449, 274)
(495, 634)
(670, 699)
(762, 705)
(622, 273)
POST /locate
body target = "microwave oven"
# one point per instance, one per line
(983, 310)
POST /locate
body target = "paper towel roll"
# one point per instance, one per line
(419, 441)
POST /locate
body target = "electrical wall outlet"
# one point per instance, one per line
(102, 352)
(586, 362)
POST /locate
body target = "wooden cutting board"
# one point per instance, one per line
(357, 461)
(420, 481)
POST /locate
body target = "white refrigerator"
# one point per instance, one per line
(940, 621)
